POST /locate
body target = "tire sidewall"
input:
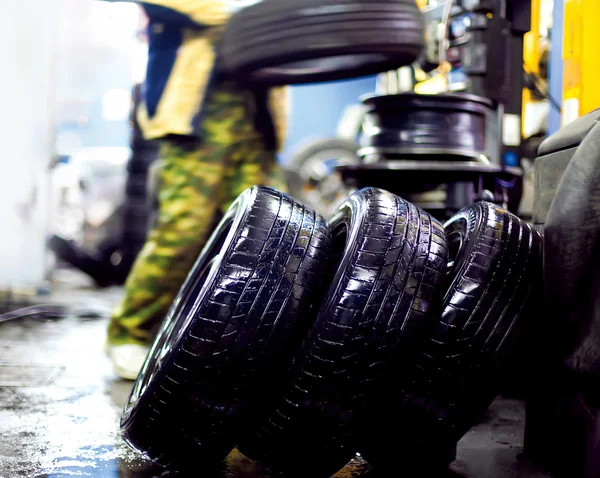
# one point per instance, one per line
(235, 217)
(466, 224)
(352, 215)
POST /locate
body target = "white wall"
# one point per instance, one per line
(28, 35)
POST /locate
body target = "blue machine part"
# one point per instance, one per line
(511, 158)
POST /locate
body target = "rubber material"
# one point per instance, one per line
(137, 140)
(98, 267)
(135, 216)
(497, 261)
(137, 232)
(389, 259)
(136, 206)
(135, 235)
(136, 219)
(136, 186)
(281, 42)
(142, 159)
(231, 331)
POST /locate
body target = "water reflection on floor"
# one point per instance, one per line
(60, 404)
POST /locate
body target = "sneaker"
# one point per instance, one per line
(127, 359)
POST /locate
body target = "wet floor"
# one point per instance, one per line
(60, 404)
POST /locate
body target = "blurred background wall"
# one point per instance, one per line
(316, 110)
(29, 35)
(70, 66)
(66, 99)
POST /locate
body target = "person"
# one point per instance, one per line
(218, 138)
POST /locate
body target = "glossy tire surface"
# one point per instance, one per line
(283, 42)
(388, 260)
(496, 262)
(230, 332)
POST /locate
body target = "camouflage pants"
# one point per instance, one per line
(197, 183)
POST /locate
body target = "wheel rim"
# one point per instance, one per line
(318, 184)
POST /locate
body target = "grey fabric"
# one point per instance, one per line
(549, 170)
(572, 259)
(571, 135)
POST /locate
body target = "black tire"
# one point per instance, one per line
(137, 140)
(108, 247)
(136, 218)
(136, 186)
(132, 247)
(495, 275)
(137, 230)
(136, 221)
(231, 332)
(136, 206)
(136, 214)
(136, 235)
(284, 42)
(389, 259)
(141, 160)
(102, 272)
(116, 256)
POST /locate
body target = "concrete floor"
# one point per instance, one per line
(60, 404)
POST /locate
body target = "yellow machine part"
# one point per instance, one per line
(581, 61)
(531, 50)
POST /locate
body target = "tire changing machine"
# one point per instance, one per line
(446, 151)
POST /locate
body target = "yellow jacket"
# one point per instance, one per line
(182, 37)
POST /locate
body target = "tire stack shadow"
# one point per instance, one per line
(302, 341)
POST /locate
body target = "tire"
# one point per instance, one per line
(135, 236)
(284, 42)
(137, 140)
(114, 254)
(103, 273)
(136, 218)
(311, 177)
(133, 248)
(231, 331)
(496, 268)
(109, 247)
(135, 206)
(389, 259)
(141, 160)
(136, 221)
(136, 186)
(136, 212)
(137, 229)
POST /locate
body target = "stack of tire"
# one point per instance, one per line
(111, 263)
(138, 205)
(303, 341)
